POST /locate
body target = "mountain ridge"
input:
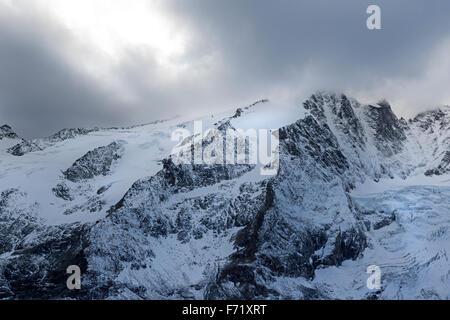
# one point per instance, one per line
(225, 232)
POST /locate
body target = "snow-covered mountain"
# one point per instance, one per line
(8, 138)
(356, 186)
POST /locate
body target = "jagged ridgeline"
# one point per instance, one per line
(142, 227)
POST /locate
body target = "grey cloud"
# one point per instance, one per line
(40, 91)
(238, 51)
(273, 39)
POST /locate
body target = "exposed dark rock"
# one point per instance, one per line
(425, 120)
(444, 166)
(384, 221)
(103, 189)
(38, 270)
(94, 163)
(7, 132)
(188, 177)
(389, 132)
(62, 191)
(348, 245)
(23, 148)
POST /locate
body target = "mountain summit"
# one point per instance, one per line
(7, 132)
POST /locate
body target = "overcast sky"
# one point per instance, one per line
(84, 63)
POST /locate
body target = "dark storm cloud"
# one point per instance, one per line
(275, 41)
(40, 91)
(238, 51)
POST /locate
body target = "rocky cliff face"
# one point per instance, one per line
(290, 236)
(224, 231)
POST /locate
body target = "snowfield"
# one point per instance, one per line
(356, 187)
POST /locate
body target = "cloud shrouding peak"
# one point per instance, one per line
(88, 63)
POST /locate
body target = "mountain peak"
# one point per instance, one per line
(436, 114)
(7, 132)
(383, 103)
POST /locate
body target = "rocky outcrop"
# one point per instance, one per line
(62, 191)
(444, 166)
(94, 163)
(7, 132)
(23, 148)
(8, 138)
(389, 132)
(427, 120)
(37, 269)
